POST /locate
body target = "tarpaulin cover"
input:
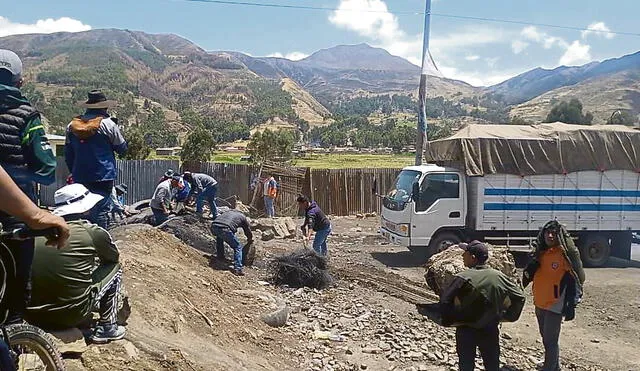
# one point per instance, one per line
(553, 148)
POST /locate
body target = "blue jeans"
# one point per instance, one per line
(225, 235)
(159, 216)
(6, 363)
(208, 194)
(269, 207)
(320, 241)
(100, 212)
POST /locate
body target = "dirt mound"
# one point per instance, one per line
(192, 230)
(442, 266)
(185, 315)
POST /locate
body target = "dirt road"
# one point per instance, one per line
(606, 331)
(189, 313)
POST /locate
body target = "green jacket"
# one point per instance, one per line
(66, 281)
(38, 154)
(481, 296)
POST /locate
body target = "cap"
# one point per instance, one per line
(11, 62)
(478, 249)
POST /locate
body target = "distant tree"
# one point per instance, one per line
(137, 149)
(435, 132)
(517, 120)
(33, 95)
(270, 145)
(622, 117)
(199, 146)
(570, 113)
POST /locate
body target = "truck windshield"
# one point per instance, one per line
(400, 193)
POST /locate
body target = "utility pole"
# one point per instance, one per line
(422, 140)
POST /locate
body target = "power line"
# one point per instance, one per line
(443, 15)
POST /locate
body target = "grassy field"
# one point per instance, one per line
(328, 161)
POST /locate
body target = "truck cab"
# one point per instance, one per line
(425, 207)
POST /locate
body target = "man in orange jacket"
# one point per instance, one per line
(557, 275)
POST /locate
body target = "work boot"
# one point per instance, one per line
(238, 272)
(106, 333)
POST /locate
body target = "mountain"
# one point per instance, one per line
(539, 81)
(601, 95)
(359, 57)
(143, 71)
(347, 71)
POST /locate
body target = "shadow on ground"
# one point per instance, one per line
(400, 259)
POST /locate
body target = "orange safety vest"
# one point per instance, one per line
(269, 189)
(546, 281)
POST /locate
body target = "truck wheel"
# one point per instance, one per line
(441, 242)
(595, 250)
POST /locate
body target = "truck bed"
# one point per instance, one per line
(585, 200)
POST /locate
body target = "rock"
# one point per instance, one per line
(506, 336)
(242, 208)
(70, 341)
(596, 341)
(360, 216)
(131, 349)
(441, 267)
(363, 366)
(267, 236)
(280, 227)
(371, 350)
(384, 346)
(277, 318)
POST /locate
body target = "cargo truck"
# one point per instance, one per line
(502, 183)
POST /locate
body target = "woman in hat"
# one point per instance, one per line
(93, 139)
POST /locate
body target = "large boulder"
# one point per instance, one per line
(280, 227)
(441, 267)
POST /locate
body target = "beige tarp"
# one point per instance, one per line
(553, 148)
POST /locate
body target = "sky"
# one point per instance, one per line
(478, 52)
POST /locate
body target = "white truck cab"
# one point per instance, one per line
(424, 200)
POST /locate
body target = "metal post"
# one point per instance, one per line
(422, 139)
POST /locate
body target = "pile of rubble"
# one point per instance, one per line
(269, 228)
(346, 332)
(441, 267)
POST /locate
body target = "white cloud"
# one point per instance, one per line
(383, 29)
(48, 25)
(531, 33)
(478, 78)
(491, 62)
(293, 56)
(577, 54)
(472, 58)
(598, 29)
(518, 46)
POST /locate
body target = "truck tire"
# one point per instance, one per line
(441, 242)
(594, 250)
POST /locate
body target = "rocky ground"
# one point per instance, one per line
(189, 313)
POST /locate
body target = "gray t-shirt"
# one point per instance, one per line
(162, 195)
(203, 181)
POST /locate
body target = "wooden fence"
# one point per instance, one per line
(337, 191)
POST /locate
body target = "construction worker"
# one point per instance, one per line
(225, 227)
(269, 192)
(476, 301)
(557, 275)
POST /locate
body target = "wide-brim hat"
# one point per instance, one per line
(97, 99)
(74, 199)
